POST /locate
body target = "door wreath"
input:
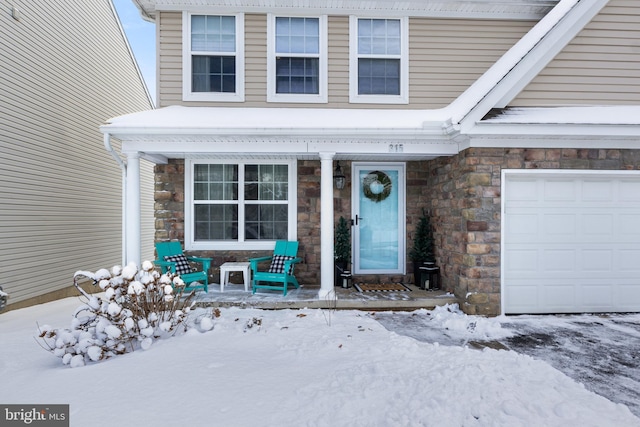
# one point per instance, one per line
(376, 186)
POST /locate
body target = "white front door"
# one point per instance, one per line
(378, 202)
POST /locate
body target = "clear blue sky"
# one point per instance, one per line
(142, 39)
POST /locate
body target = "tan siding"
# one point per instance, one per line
(255, 60)
(64, 71)
(170, 58)
(600, 66)
(446, 56)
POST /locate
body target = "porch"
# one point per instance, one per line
(234, 295)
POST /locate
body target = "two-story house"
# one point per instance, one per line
(514, 123)
(65, 68)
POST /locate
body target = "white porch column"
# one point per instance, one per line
(132, 221)
(326, 225)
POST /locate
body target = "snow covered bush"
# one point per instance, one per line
(136, 308)
(3, 299)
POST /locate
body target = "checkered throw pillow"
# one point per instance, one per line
(277, 264)
(182, 265)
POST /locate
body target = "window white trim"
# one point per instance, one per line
(354, 97)
(187, 93)
(241, 243)
(272, 96)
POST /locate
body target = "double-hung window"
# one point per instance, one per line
(239, 205)
(297, 59)
(378, 65)
(213, 57)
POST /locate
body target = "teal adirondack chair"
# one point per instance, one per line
(171, 258)
(280, 273)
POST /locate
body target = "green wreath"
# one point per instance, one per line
(376, 186)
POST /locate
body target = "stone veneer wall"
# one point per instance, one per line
(169, 215)
(462, 194)
(464, 191)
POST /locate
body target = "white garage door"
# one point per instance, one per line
(571, 242)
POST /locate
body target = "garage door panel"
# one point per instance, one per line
(574, 245)
(523, 226)
(628, 260)
(596, 260)
(559, 260)
(627, 297)
(597, 224)
(628, 226)
(558, 226)
(522, 260)
(559, 189)
(629, 191)
(597, 190)
(558, 296)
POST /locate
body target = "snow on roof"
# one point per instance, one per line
(183, 120)
(596, 115)
(470, 98)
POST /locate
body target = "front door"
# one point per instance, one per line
(378, 202)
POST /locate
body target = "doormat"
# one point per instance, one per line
(381, 287)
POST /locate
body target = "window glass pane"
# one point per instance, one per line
(378, 76)
(379, 37)
(216, 222)
(298, 35)
(213, 33)
(213, 73)
(215, 182)
(216, 208)
(298, 75)
(266, 222)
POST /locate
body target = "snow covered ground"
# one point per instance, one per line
(300, 368)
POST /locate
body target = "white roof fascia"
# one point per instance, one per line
(520, 64)
(474, 9)
(552, 141)
(550, 130)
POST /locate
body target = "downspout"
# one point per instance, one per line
(123, 167)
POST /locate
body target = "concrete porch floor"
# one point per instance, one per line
(234, 295)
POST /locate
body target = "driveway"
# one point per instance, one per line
(600, 351)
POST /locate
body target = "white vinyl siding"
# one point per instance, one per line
(64, 70)
(446, 56)
(598, 67)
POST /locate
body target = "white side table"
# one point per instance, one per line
(228, 267)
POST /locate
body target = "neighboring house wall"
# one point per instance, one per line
(598, 67)
(65, 68)
(446, 56)
(465, 194)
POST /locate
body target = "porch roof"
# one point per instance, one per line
(177, 131)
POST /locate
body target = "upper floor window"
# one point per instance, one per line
(297, 59)
(379, 66)
(213, 57)
(239, 205)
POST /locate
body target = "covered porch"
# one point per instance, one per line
(176, 135)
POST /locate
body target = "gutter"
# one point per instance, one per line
(123, 168)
